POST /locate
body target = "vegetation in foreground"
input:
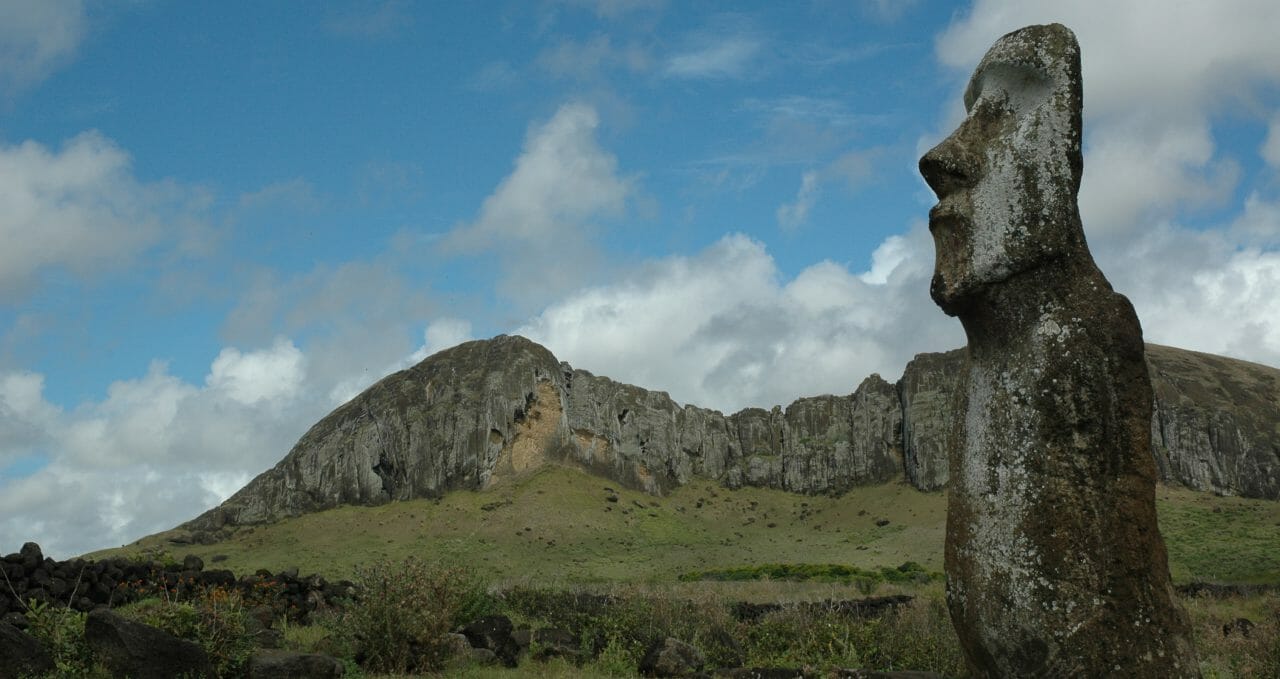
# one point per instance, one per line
(400, 621)
(676, 566)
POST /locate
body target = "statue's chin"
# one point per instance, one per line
(949, 297)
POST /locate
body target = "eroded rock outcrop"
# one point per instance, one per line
(1217, 422)
(489, 410)
(473, 415)
(1054, 560)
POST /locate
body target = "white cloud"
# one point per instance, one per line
(80, 208)
(1190, 56)
(1137, 173)
(721, 329)
(1199, 291)
(1153, 114)
(561, 179)
(726, 55)
(35, 39)
(546, 210)
(792, 215)
(440, 334)
(253, 378)
(155, 451)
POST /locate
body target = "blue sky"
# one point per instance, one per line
(223, 220)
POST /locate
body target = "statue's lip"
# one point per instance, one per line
(943, 213)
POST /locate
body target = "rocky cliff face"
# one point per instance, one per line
(1217, 422)
(483, 411)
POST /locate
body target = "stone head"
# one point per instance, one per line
(1007, 177)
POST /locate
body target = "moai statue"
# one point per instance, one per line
(1055, 565)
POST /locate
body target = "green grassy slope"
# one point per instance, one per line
(558, 526)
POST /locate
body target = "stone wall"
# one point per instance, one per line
(84, 585)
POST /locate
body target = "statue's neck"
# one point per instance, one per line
(1005, 315)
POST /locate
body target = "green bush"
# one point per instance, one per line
(919, 637)
(400, 614)
(61, 631)
(216, 618)
(798, 636)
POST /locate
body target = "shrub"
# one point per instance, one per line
(1234, 654)
(809, 636)
(400, 614)
(61, 631)
(919, 636)
(216, 619)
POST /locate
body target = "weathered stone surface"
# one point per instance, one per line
(139, 651)
(1217, 422)
(440, 425)
(274, 664)
(489, 410)
(927, 392)
(671, 657)
(494, 633)
(1054, 561)
(21, 655)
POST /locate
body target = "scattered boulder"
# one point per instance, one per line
(275, 664)
(671, 657)
(21, 655)
(493, 633)
(1242, 626)
(133, 649)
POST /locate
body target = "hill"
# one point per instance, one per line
(562, 525)
(472, 416)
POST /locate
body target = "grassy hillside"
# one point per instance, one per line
(560, 525)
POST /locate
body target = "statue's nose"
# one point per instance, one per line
(949, 167)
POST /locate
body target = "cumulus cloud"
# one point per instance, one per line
(547, 209)
(1150, 104)
(1137, 173)
(155, 451)
(1153, 111)
(262, 377)
(1191, 57)
(1200, 290)
(80, 208)
(440, 334)
(723, 329)
(36, 38)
